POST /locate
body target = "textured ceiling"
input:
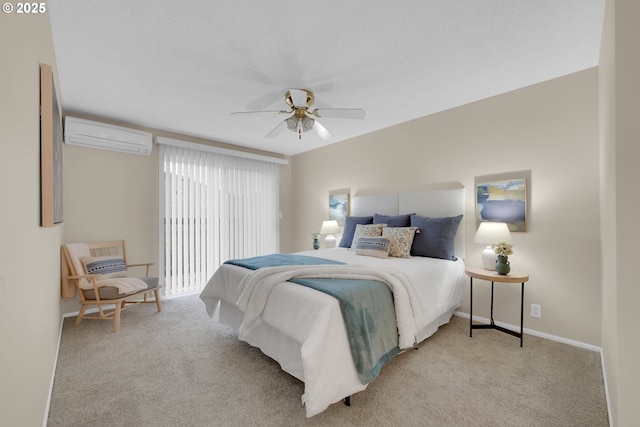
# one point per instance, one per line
(185, 66)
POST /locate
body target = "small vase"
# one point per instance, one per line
(316, 244)
(502, 265)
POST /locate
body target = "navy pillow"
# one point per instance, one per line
(393, 221)
(436, 237)
(350, 229)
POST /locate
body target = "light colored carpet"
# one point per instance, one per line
(180, 368)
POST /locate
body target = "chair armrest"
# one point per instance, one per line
(144, 264)
(84, 276)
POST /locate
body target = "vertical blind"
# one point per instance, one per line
(214, 207)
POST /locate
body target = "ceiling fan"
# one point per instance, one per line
(303, 118)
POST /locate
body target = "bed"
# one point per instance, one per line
(304, 329)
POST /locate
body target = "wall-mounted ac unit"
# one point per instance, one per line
(88, 133)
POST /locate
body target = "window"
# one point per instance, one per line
(214, 207)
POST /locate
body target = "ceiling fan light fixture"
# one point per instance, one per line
(307, 123)
(302, 117)
(292, 123)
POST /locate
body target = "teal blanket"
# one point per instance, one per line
(278, 260)
(369, 316)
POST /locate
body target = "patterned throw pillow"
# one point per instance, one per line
(366, 230)
(108, 267)
(350, 227)
(373, 246)
(401, 240)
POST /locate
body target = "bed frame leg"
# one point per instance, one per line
(347, 401)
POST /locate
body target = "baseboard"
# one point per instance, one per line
(53, 375)
(534, 333)
(606, 388)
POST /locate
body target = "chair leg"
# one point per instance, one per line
(116, 319)
(156, 292)
(80, 315)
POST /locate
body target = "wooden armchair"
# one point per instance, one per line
(99, 272)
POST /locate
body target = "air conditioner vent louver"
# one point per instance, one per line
(92, 134)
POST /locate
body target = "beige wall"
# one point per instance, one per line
(29, 254)
(627, 148)
(620, 206)
(608, 208)
(550, 129)
(287, 219)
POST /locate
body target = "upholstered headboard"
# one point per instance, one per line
(433, 201)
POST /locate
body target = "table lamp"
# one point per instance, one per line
(329, 228)
(491, 233)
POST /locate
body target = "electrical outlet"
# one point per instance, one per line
(536, 311)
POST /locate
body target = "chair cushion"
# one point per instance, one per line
(152, 282)
(111, 292)
(106, 292)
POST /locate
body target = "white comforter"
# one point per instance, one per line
(314, 320)
(258, 285)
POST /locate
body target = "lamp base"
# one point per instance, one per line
(489, 258)
(330, 241)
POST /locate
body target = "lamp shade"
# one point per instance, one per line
(490, 233)
(329, 227)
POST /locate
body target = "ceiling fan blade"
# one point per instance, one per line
(278, 129)
(253, 113)
(298, 97)
(342, 113)
(265, 101)
(322, 131)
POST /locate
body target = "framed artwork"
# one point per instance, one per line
(339, 206)
(50, 150)
(503, 200)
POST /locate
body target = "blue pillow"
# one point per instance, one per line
(350, 229)
(393, 221)
(436, 237)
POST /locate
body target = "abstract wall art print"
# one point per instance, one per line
(503, 201)
(339, 206)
